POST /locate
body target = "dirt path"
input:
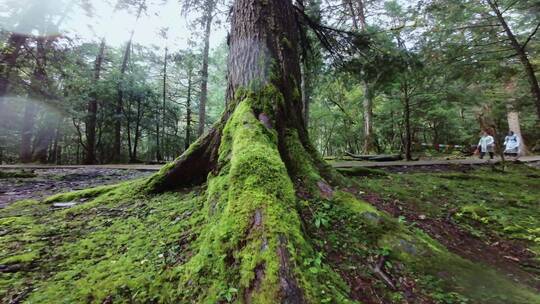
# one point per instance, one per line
(429, 163)
(337, 164)
(49, 181)
(53, 179)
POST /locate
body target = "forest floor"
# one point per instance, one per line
(40, 181)
(25, 183)
(485, 218)
(336, 164)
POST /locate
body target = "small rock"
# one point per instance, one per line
(422, 216)
(326, 190)
(265, 120)
(64, 204)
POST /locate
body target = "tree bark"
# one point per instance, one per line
(209, 13)
(92, 108)
(512, 114)
(522, 55)
(513, 125)
(187, 142)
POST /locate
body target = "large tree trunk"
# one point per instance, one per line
(250, 159)
(512, 117)
(512, 114)
(91, 118)
(522, 55)
(209, 13)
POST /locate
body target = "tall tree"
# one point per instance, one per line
(38, 80)
(368, 82)
(251, 158)
(92, 108)
(520, 48)
(209, 8)
(117, 144)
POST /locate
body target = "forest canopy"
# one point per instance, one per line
(401, 77)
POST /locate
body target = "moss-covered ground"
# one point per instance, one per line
(16, 174)
(121, 246)
(501, 201)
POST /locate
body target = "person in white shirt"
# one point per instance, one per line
(511, 144)
(485, 145)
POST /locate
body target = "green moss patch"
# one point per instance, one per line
(17, 174)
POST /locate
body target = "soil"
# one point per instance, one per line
(56, 180)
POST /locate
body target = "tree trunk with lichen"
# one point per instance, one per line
(254, 159)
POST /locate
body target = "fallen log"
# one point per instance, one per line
(381, 157)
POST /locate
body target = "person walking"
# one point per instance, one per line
(511, 144)
(486, 145)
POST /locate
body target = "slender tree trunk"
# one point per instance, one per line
(522, 55)
(306, 91)
(407, 118)
(127, 115)
(53, 155)
(158, 135)
(37, 83)
(188, 114)
(361, 8)
(209, 7)
(117, 146)
(43, 138)
(92, 108)
(369, 138)
(359, 24)
(159, 155)
(137, 132)
(27, 131)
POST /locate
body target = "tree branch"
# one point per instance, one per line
(530, 36)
